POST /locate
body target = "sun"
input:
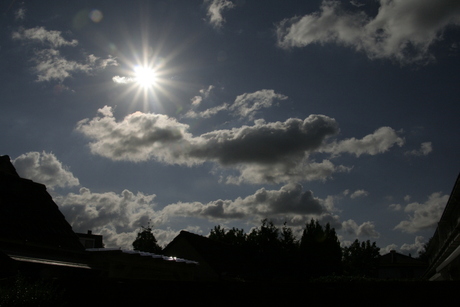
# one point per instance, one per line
(145, 76)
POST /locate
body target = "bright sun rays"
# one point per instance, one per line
(145, 77)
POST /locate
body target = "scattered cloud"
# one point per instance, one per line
(49, 63)
(276, 152)
(51, 38)
(388, 248)
(424, 150)
(424, 215)
(395, 207)
(247, 105)
(359, 193)
(289, 203)
(20, 14)
(44, 168)
(379, 142)
(366, 229)
(206, 113)
(403, 30)
(356, 3)
(116, 216)
(215, 9)
(415, 247)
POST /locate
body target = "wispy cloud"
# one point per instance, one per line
(245, 106)
(425, 149)
(215, 9)
(403, 30)
(359, 193)
(50, 64)
(248, 104)
(51, 38)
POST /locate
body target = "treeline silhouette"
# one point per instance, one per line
(272, 253)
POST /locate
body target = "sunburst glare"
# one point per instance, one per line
(145, 76)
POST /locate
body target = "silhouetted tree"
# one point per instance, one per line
(361, 259)
(234, 236)
(146, 242)
(320, 250)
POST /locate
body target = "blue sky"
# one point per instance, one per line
(190, 114)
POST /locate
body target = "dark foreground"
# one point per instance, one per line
(356, 293)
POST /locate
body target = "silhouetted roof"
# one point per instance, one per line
(30, 221)
(394, 258)
(221, 257)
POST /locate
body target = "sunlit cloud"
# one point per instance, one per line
(366, 229)
(215, 9)
(378, 142)
(44, 168)
(425, 215)
(50, 64)
(51, 38)
(403, 30)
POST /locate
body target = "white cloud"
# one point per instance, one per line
(402, 30)
(117, 217)
(379, 142)
(359, 193)
(290, 202)
(395, 207)
(53, 39)
(123, 80)
(264, 149)
(206, 113)
(44, 168)
(215, 9)
(366, 229)
(20, 14)
(425, 149)
(356, 3)
(139, 137)
(248, 104)
(50, 64)
(244, 106)
(415, 247)
(424, 215)
(388, 248)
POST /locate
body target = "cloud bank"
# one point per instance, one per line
(275, 152)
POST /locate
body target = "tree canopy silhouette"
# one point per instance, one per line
(361, 259)
(146, 242)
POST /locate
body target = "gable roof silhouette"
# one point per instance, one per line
(30, 221)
